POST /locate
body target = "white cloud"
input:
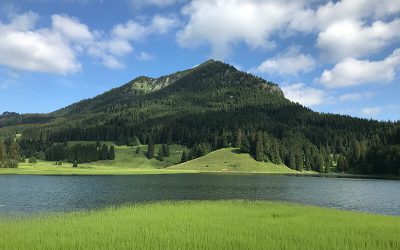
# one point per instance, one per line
(332, 12)
(23, 48)
(162, 24)
(72, 29)
(372, 111)
(290, 63)
(143, 56)
(355, 96)
(224, 23)
(56, 49)
(352, 72)
(305, 95)
(351, 38)
(130, 30)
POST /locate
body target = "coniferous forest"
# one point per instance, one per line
(206, 108)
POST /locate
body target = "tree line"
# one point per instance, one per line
(80, 153)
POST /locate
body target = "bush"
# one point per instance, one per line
(11, 164)
(32, 160)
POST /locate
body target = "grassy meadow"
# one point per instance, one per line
(127, 162)
(204, 225)
(230, 160)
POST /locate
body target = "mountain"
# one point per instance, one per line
(210, 106)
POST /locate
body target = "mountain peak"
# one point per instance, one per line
(211, 62)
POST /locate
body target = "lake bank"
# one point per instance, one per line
(204, 225)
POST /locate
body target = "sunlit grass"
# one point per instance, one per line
(204, 225)
(230, 160)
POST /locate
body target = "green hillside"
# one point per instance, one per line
(231, 160)
(209, 107)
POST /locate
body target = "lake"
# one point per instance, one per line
(21, 195)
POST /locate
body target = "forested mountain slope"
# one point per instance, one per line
(205, 108)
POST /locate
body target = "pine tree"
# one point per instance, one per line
(259, 150)
(165, 149)
(355, 152)
(299, 161)
(160, 155)
(111, 153)
(103, 152)
(150, 149)
(184, 157)
(291, 161)
(14, 151)
(320, 164)
(3, 152)
(238, 141)
(328, 163)
(245, 146)
(225, 143)
(342, 164)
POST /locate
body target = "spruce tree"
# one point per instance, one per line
(3, 152)
(14, 151)
(167, 152)
(291, 161)
(103, 153)
(299, 161)
(225, 143)
(259, 150)
(238, 141)
(111, 153)
(150, 149)
(165, 149)
(160, 155)
(245, 146)
(319, 163)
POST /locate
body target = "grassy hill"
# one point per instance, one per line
(204, 225)
(231, 160)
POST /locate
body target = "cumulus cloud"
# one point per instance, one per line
(222, 24)
(353, 72)
(44, 50)
(304, 94)
(291, 62)
(55, 49)
(351, 38)
(72, 29)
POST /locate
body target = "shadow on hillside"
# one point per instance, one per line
(236, 151)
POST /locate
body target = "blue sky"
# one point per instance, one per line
(332, 56)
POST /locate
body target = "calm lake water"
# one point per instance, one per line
(37, 194)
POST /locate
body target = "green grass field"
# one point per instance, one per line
(204, 225)
(128, 162)
(230, 160)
